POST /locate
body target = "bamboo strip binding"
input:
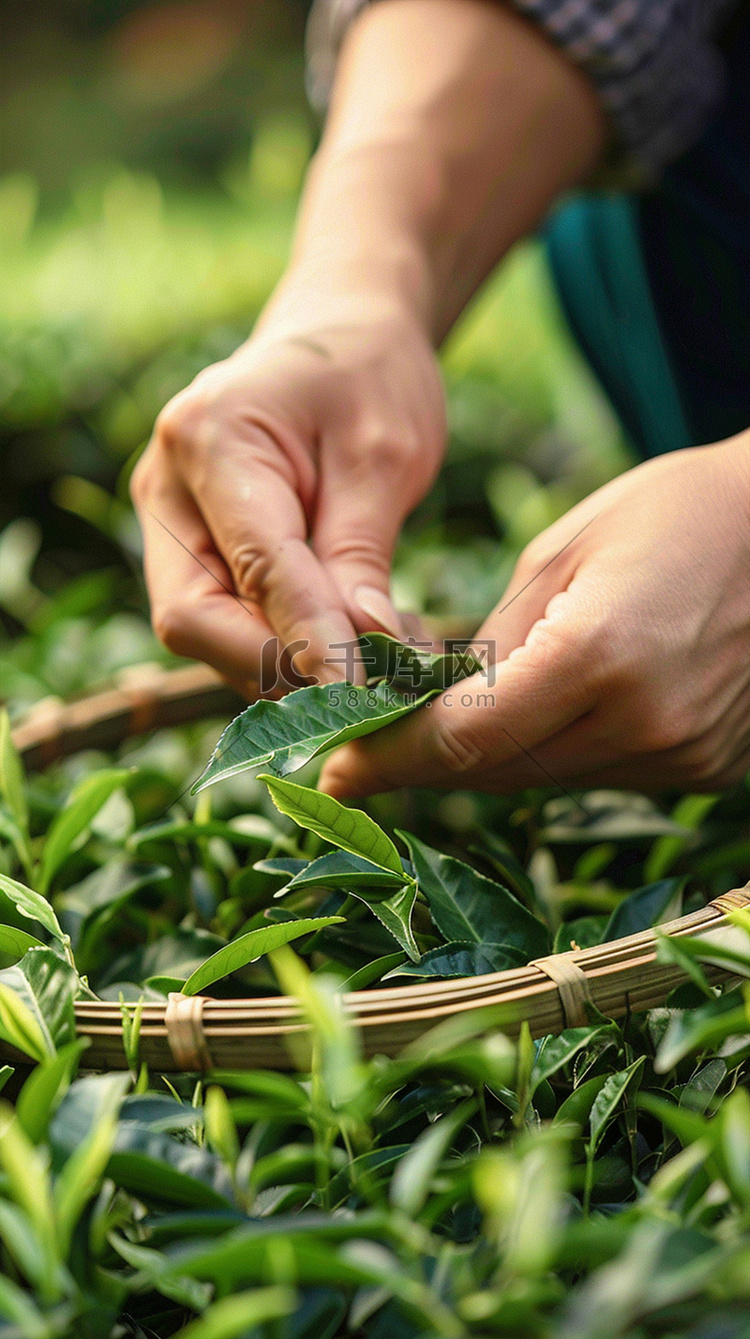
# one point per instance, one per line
(199, 1033)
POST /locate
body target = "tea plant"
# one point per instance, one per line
(592, 1184)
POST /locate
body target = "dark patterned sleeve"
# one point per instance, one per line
(655, 64)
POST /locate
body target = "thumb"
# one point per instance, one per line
(467, 737)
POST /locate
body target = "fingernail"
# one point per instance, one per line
(377, 606)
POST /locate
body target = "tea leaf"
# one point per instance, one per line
(341, 869)
(469, 908)
(374, 971)
(21, 1027)
(45, 1088)
(607, 1101)
(351, 829)
(411, 666)
(81, 1176)
(461, 959)
(31, 904)
(235, 1316)
(394, 913)
(410, 1185)
(14, 943)
(82, 806)
(647, 906)
(284, 735)
(36, 999)
(709, 1025)
(555, 1052)
(250, 947)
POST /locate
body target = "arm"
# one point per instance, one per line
(453, 125)
(274, 488)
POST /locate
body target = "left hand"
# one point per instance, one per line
(622, 650)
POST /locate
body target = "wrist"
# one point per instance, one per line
(314, 295)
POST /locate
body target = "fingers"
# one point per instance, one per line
(251, 506)
(546, 566)
(194, 609)
(483, 724)
(362, 500)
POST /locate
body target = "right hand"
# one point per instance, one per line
(274, 488)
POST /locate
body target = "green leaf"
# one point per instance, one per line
(607, 1101)
(689, 812)
(81, 1177)
(395, 913)
(645, 908)
(14, 943)
(251, 946)
(17, 1307)
(372, 972)
(576, 1109)
(459, 960)
(284, 735)
(412, 667)
(45, 1088)
(707, 1026)
(469, 908)
(44, 985)
(555, 1052)
(341, 869)
(12, 833)
(20, 1027)
(12, 786)
(88, 907)
(156, 1167)
(282, 867)
(232, 1317)
(669, 948)
(31, 904)
(28, 1180)
(687, 1126)
(82, 806)
(512, 872)
(583, 931)
(411, 1182)
(351, 829)
(157, 1272)
(165, 984)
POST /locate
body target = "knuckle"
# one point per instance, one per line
(251, 567)
(454, 744)
(360, 550)
(181, 420)
(172, 627)
(386, 449)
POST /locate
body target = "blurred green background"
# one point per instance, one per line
(151, 156)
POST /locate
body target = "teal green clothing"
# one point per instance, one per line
(657, 286)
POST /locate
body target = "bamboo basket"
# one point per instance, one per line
(200, 1033)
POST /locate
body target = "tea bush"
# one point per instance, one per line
(586, 1186)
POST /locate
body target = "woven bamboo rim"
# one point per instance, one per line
(199, 1033)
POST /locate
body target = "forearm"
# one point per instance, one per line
(453, 126)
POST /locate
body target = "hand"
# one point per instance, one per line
(622, 650)
(274, 488)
